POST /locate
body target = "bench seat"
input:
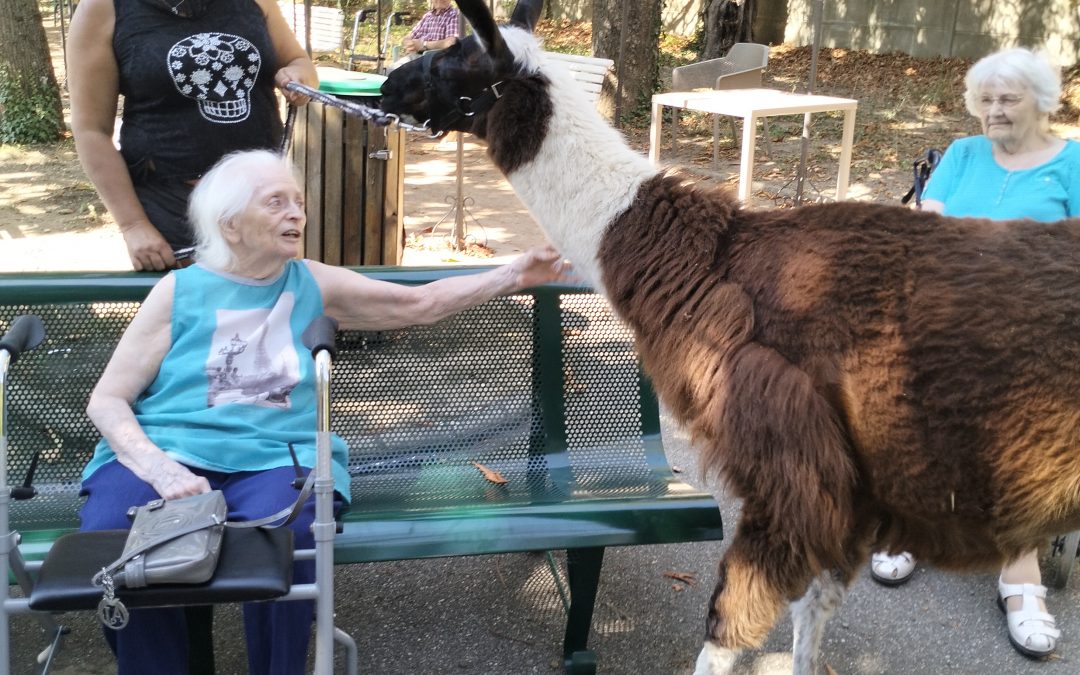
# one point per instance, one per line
(542, 387)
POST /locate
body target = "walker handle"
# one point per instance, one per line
(320, 334)
(26, 332)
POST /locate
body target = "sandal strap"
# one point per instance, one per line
(1029, 611)
(1011, 590)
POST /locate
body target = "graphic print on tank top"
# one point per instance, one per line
(252, 359)
(218, 71)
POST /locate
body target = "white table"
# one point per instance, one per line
(751, 105)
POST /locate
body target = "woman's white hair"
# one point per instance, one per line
(1017, 67)
(222, 194)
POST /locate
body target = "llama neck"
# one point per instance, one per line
(582, 177)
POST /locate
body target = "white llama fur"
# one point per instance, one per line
(584, 174)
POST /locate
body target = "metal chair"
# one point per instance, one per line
(740, 68)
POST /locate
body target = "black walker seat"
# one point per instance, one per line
(543, 387)
(254, 564)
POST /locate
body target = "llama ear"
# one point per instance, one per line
(483, 24)
(527, 13)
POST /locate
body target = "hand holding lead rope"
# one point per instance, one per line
(374, 115)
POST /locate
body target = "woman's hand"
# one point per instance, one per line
(173, 480)
(147, 249)
(540, 265)
(295, 73)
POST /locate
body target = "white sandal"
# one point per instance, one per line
(892, 570)
(1032, 631)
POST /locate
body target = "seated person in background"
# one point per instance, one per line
(208, 388)
(1016, 169)
(198, 81)
(437, 29)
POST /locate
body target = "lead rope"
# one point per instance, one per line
(368, 113)
(286, 136)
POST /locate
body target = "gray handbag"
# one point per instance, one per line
(175, 541)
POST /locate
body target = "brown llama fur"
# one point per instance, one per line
(861, 376)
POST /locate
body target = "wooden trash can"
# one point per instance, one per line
(354, 175)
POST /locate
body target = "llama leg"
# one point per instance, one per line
(715, 660)
(757, 576)
(809, 615)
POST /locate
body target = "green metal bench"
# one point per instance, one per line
(543, 387)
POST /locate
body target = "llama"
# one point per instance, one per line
(862, 376)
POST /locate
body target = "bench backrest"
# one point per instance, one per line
(543, 386)
(327, 25)
(589, 71)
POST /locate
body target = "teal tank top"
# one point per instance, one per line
(237, 386)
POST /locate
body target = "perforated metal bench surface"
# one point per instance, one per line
(543, 387)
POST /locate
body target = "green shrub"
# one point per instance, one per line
(29, 111)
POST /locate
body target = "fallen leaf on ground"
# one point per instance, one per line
(685, 577)
(491, 474)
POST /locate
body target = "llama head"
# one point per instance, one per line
(453, 88)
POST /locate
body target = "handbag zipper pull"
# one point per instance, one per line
(111, 611)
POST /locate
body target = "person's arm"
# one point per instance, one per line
(415, 45)
(412, 44)
(297, 65)
(362, 303)
(132, 368)
(94, 83)
(449, 39)
(439, 44)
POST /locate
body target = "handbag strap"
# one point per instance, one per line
(290, 512)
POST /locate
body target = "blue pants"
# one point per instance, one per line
(155, 640)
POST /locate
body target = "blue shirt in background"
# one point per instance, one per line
(971, 183)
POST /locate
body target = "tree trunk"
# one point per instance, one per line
(770, 19)
(30, 110)
(727, 22)
(638, 68)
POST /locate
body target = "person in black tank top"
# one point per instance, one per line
(197, 79)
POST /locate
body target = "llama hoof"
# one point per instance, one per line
(1032, 631)
(892, 570)
(715, 660)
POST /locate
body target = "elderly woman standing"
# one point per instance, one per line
(206, 389)
(1017, 169)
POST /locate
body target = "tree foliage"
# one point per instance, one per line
(30, 109)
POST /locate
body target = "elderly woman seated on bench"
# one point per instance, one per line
(206, 389)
